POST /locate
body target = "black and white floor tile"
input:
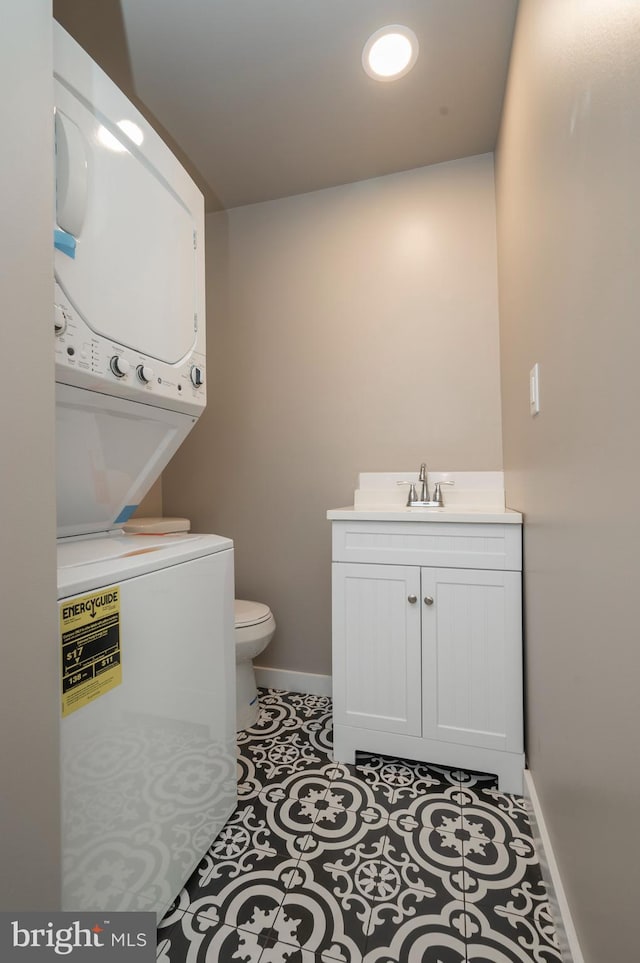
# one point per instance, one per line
(387, 861)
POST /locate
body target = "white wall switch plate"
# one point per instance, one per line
(534, 390)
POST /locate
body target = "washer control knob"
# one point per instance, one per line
(197, 376)
(119, 366)
(145, 373)
(59, 320)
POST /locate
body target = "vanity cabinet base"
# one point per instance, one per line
(427, 644)
(507, 766)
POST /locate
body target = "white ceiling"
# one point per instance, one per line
(268, 98)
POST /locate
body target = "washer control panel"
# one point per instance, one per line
(88, 360)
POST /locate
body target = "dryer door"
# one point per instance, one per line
(127, 259)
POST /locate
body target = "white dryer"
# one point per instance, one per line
(129, 298)
(146, 637)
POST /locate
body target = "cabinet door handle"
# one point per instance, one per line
(413, 599)
(428, 600)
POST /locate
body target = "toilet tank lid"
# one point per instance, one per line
(156, 526)
(249, 613)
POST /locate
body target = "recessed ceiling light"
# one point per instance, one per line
(390, 52)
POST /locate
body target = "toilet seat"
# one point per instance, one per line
(250, 613)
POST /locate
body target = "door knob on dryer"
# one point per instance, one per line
(119, 366)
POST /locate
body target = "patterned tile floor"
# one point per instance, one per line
(387, 861)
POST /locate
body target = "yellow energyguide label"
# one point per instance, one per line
(90, 647)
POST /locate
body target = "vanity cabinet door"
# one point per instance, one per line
(376, 647)
(472, 657)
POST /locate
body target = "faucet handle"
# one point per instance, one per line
(413, 495)
(437, 492)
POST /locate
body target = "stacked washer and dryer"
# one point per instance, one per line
(146, 640)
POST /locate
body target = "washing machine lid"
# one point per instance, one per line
(125, 214)
(250, 613)
(85, 564)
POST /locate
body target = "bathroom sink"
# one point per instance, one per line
(453, 513)
(472, 497)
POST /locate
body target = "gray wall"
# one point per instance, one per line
(568, 191)
(151, 504)
(351, 329)
(29, 680)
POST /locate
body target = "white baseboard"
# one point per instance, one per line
(307, 682)
(566, 931)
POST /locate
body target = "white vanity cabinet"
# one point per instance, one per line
(427, 642)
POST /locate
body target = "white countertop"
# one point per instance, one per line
(504, 516)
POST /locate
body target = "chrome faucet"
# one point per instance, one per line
(425, 500)
(424, 488)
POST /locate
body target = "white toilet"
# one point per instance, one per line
(255, 626)
(254, 629)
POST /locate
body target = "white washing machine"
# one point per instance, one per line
(148, 727)
(146, 636)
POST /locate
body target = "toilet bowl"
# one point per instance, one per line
(254, 630)
(254, 626)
